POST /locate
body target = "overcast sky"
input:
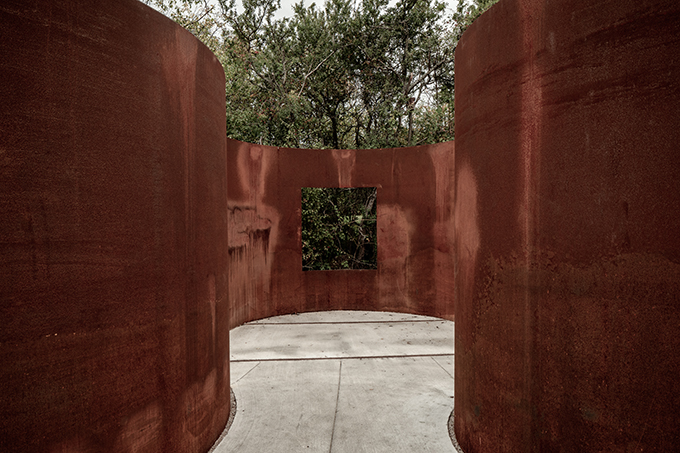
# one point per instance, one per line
(286, 9)
(287, 6)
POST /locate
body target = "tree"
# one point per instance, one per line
(341, 76)
(466, 13)
(200, 17)
(338, 77)
(364, 75)
(339, 228)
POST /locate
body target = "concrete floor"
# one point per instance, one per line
(341, 382)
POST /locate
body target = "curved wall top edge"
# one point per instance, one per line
(414, 244)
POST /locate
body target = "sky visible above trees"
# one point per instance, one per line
(287, 7)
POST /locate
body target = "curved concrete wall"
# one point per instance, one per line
(415, 240)
(567, 232)
(113, 247)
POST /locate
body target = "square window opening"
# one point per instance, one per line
(339, 228)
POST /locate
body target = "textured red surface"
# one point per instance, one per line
(113, 252)
(415, 253)
(567, 230)
(115, 262)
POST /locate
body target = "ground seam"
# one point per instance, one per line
(337, 404)
(342, 322)
(256, 365)
(300, 359)
(440, 366)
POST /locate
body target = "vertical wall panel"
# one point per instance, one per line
(113, 247)
(567, 231)
(415, 224)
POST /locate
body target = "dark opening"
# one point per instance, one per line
(339, 228)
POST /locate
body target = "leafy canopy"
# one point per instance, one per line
(339, 228)
(348, 75)
(362, 74)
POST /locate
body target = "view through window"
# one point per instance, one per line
(339, 228)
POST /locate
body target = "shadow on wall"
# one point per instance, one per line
(415, 240)
(567, 332)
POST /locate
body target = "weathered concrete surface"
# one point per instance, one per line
(567, 231)
(343, 334)
(352, 402)
(415, 253)
(113, 251)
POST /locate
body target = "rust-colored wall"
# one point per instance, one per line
(567, 228)
(113, 247)
(415, 254)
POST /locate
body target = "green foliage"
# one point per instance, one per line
(466, 13)
(339, 228)
(200, 17)
(348, 75)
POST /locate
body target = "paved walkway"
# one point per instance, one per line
(341, 382)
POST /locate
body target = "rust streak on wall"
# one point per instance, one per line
(566, 227)
(113, 246)
(415, 237)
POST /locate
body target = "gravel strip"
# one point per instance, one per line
(452, 435)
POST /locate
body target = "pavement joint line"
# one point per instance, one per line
(337, 404)
(256, 323)
(440, 366)
(247, 373)
(301, 359)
